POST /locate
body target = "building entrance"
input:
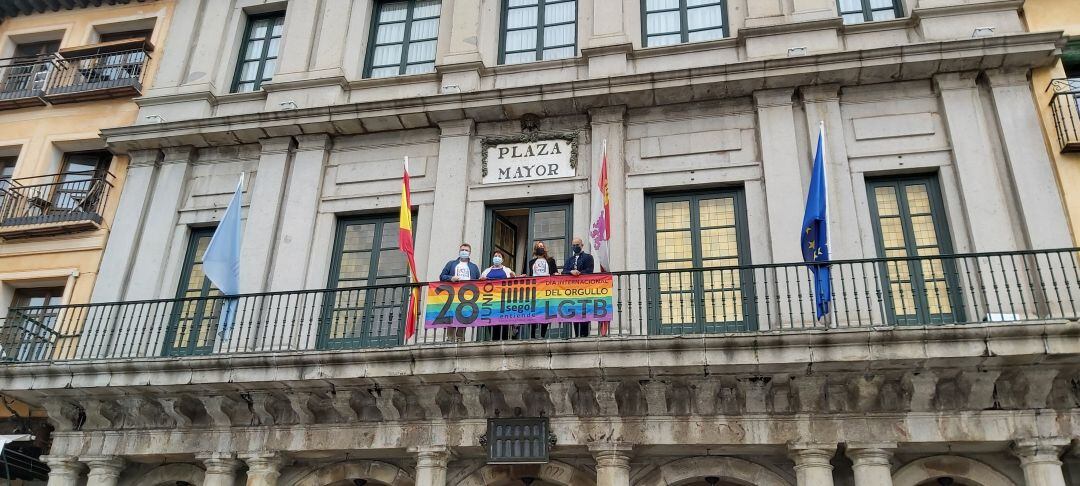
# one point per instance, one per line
(513, 230)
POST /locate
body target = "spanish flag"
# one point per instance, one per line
(405, 242)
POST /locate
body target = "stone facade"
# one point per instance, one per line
(933, 93)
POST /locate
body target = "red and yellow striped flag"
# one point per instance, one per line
(405, 242)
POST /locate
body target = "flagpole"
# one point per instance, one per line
(825, 183)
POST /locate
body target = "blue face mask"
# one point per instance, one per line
(497, 260)
(463, 254)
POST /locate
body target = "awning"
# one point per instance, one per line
(5, 439)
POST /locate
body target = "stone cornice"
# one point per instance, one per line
(736, 79)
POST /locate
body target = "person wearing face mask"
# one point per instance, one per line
(455, 271)
(498, 272)
(579, 263)
(542, 265)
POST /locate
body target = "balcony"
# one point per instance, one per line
(1065, 105)
(868, 295)
(23, 81)
(53, 204)
(112, 70)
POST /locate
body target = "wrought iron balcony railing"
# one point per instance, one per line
(944, 290)
(23, 80)
(1065, 106)
(96, 76)
(53, 204)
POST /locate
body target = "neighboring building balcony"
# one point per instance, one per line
(53, 204)
(868, 296)
(102, 71)
(23, 81)
(1066, 108)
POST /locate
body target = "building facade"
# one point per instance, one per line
(67, 71)
(1056, 89)
(950, 355)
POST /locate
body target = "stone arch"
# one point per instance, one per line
(728, 469)
(337, 473)
(169, 474)
(929, 468)
(554, 472)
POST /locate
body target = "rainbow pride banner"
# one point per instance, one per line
(539, 300)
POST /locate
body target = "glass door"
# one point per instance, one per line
(698, 244)
(369, 272)
(909, 222)
(193, 326)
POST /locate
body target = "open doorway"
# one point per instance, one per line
(512, 229)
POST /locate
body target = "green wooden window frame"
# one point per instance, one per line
(268, 46)
(361, 313)
(542, 50)
(686, 10)
(188, 318)
(696, 280)
(1070, 58)
(867, 9)
(405, 64)
(912, 279)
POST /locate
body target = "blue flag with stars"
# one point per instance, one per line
(815, 230)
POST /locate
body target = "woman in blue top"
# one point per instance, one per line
(498, 272)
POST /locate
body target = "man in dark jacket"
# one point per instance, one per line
(455, 271)
(542, 265)
(579, 263)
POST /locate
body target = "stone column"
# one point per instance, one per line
(266, 193)
(813, 10)
(1037, 198)
(264, 467)
(206, 51)
(1041, 460)
(451, 191)
(104, 470)
(299, 208)
(812, 464)
(871, 463)
(986, 194)
(461, 64)
(612, 463)
(63, 470)
(220, 469)
(431, 463)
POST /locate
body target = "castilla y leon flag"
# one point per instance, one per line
(600, 231)
(405, 242)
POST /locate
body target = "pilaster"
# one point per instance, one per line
(612, 463)
(823, 105)
(451, 191)
(986, 194)
(267, 193)
(1040, 458)
(159, 222)
(299, 209)
(609, 123)
(812, 463)
(1039, 202)
(782, 169)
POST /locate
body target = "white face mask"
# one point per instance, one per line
(463, 254)
(497, 260)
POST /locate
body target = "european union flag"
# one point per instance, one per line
(815, 230)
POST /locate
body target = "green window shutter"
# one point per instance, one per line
(1070, 57)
